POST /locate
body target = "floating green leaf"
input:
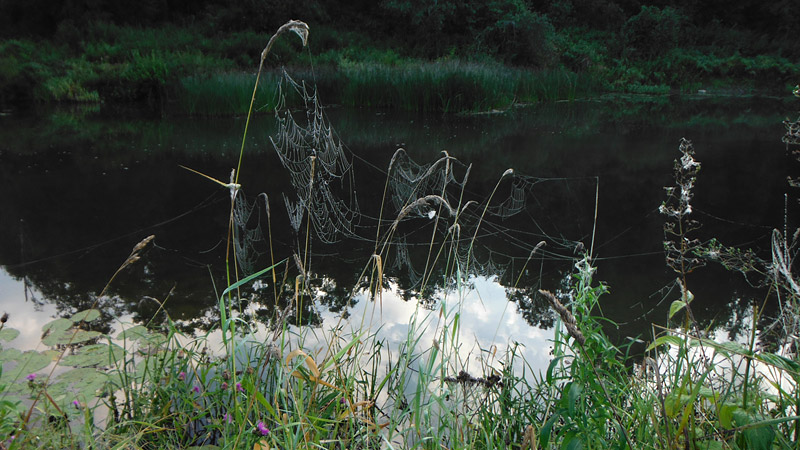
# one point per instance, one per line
(57, 326)
(94, 355)
(135, 333)
(85, 316)
(8, 334)
(17, 365)
(70, 336)
(78, 383)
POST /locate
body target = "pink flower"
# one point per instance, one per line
(196, 389)
(262, 428)
(224, 386)
(76, 404)
(182, 376)
(239, 387)
(31, 377)
(227, 418)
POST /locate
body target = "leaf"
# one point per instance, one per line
(85, 316)
(134, 333)
(344, 350)
(94, 355)
(668, 339)
(573, 395)
(56, 326)
(733, 347)
(780, 362)
(726, 415)
(675, 307)
(674, 403)
(70, 336)
(24, 363)
(8, 334)
(544, 435)
(758, 436)
(573, 443)
(712, 445)
(78, 383)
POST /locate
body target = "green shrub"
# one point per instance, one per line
(652, 32)
(521, 37)
(21, 70)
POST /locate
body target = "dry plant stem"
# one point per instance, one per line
(302, 30)
(299, 27)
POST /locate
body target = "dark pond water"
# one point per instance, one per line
(80, 187)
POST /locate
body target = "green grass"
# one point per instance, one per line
(445, 86)
(196, 71)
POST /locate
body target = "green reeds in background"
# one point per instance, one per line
(445, 86)
(223, 94)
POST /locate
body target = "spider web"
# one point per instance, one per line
(426, 205)
(318, 168)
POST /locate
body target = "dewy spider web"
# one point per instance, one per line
(321, 174)
(318, 168)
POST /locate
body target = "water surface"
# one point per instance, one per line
(82, 186)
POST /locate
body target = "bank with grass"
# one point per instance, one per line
(455, 59)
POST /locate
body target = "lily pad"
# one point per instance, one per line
(57, 326)
(94, 355)
(149, 342)
(8, 334)
(85, 316)
(70, 336)
(134, 333)
(17, 365)
(78, 383)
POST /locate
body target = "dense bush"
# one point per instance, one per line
(521, 37)
(22, 70)
(652, 32)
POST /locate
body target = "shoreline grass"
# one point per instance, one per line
(182, 70)
(446, 87)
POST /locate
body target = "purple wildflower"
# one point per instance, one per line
(262, 428)
(31, 377)
(76, 404)
(182, 376)
(196, 389)
(224, 386)
(239, 387)
(227, 418)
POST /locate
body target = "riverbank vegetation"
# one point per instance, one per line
(200, 58)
